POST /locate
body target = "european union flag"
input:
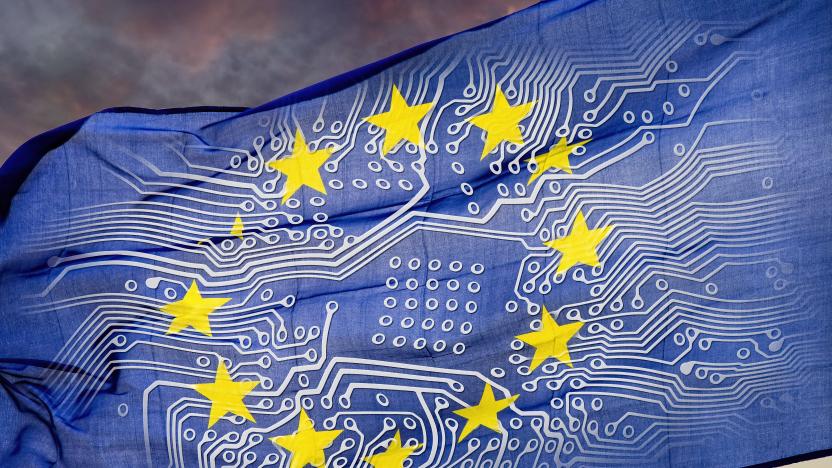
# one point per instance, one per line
(586, 234)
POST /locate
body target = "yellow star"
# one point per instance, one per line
(550, 341)
(401, 122)
(557, 157)
(302, 167)
(579, 246)
(192, 310)
(484, 413)
(238, 227)
(502, 123)
(226, 396)
(394, 456)
(306, 445)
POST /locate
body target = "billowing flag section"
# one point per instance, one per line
(586, 234)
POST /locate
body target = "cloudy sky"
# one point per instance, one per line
(62, 60)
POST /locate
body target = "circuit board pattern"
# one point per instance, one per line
(398, 294)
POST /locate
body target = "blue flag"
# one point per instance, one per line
(586, 234)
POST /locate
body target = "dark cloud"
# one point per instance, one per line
(62, 60)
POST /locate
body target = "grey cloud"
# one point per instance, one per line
(63, 60)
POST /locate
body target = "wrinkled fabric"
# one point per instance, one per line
(586, 234)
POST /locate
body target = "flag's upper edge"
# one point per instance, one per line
(21, 162)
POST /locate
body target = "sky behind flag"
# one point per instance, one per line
(585, 234)
(79, 57)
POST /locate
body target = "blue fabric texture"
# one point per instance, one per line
(586, 234)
